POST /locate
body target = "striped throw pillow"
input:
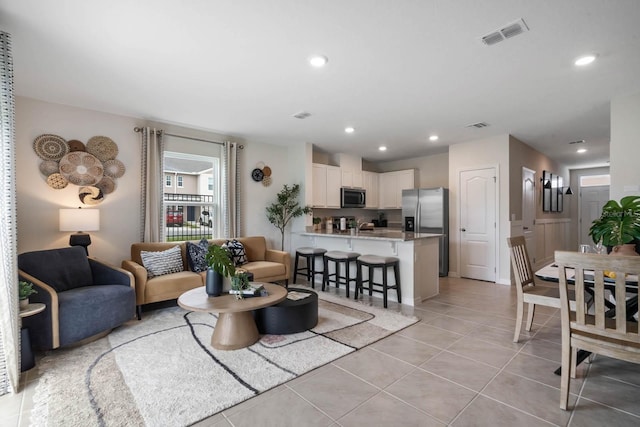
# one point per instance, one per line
(162, 262)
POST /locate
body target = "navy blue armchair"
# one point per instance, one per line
(84, 297)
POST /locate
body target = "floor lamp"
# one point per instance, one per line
(81, 221)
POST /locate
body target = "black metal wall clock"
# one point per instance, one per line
(257, 174)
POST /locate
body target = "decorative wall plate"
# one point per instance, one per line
(47, 167)
(50, 147)
(266, 181)
(75, 145)
(81, 168)
(102, 147)
(114, 168)
(266, 171)
(57, 181)
(257, 175)
(107, 185)
(90, 195)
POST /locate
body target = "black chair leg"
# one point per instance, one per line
(139, 311)
(384, 286)
(295, 268)
(396, 273)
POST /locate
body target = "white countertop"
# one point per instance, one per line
(376, 234)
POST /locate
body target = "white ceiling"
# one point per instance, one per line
(398, 70)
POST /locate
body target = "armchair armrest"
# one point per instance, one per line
(106, 274)
(48, 332)
(140, 277)
(281, 257)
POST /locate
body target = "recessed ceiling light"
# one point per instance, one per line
(349, 129)
(433, 138)
(585, 60)
(581, 150)
(318, 61)
(382, 148)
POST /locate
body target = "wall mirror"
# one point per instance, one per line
(552, 194)
(546, 191)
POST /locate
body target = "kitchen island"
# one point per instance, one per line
(418, 254)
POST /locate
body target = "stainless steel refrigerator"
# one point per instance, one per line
(426, 210)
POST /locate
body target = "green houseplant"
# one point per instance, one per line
(25, 289)
(285, 209)
(220, 266)
(619, 223)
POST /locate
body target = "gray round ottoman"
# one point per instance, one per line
(289, 316)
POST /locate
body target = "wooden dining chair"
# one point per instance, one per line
(598, 333)
(527, 290)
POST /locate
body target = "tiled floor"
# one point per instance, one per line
(457, 366)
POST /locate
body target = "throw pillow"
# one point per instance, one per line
(196, 255)
(162, 262)
(238, 254)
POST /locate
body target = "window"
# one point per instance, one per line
(595, 180)
(167, 181)
(194, 213)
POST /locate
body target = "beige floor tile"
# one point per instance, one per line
(550, 334)
(542, 370)
(612, 393)
(438, 397)
(529, 396)
(500, 337)
(374, 367)
(434, 306)
(217, 420)
(469, 315)
(10, 420)
(545, 349)
(592, 414)
(285, 409)
(483, 351)
(255, 401)
(461, 370)
(386, 410)
(10, 404)
(335, 392)
(616, 369)
(487, 412)
(452, 324)
(430, 335)
(406, 349)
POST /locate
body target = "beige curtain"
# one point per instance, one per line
(151, 211)
(9, 319)
(230, 191)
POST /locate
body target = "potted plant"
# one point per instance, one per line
(619, 225)
(316, 223)
(285, 209)
(240, 282)
(220, 266)
(25, 289)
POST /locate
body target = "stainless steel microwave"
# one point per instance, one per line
(352, 197)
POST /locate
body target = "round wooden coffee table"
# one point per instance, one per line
(235, 327)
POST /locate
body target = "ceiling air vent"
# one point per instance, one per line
(581, 141)
(508, 31)
(478, 125)
(301, 115)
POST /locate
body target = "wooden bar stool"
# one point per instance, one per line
(371, 262)
(309, 270)
(339, 257)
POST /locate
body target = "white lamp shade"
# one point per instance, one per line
(79, 219)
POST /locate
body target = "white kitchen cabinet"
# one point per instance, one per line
(391, 186)
(326, 186)
(352, 179)
(370, 185)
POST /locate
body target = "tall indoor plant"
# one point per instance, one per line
(619, 223)
(220, 266)
(285, 209)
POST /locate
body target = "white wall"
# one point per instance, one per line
(38, 204)
(624, 150)
(484, 153)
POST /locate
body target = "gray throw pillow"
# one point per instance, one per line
(196, 255)
(162, 262)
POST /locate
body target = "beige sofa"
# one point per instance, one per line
(267, 265)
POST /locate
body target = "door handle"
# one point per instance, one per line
(525, 228)
(463, 229)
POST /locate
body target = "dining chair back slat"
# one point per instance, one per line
(597, 332)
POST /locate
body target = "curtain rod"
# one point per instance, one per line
(139, 129)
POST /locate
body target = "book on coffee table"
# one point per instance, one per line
(295, 295)
(254, 289)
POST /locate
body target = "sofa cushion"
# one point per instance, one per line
(162, 262)
(171, 286)
(62, 269)
(264, 269)
(237, 252)
(196, 255)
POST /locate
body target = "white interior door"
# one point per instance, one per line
(478, 224)
(529, 210)
(592, 199)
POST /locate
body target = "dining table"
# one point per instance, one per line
(550, 273)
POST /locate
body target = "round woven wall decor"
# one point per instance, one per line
(90, 195)
(107, 185)
(75, 145)
(50, 147)
(81, 168)
(114, 168)
(47, 167)
(57, 181)
(102, 147)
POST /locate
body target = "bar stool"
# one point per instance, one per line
(372, 262)
(309, 271)
(338, 257)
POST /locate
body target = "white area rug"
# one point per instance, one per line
(162, 371)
